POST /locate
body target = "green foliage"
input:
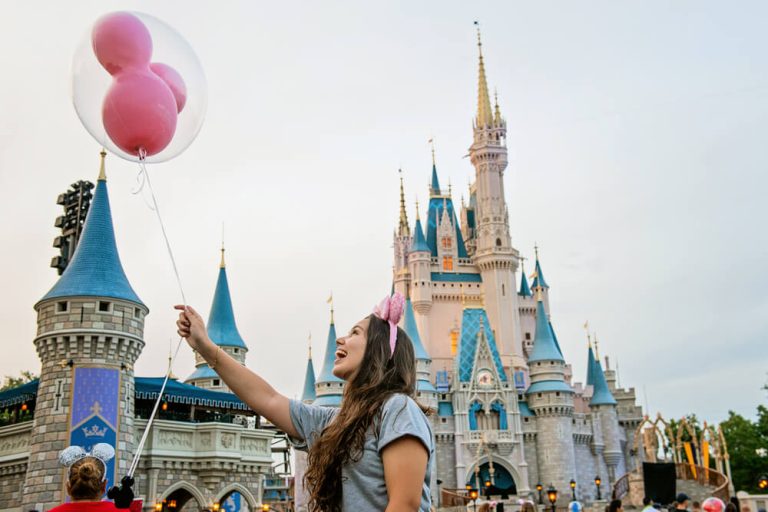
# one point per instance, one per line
(12, 382)
(744, 438)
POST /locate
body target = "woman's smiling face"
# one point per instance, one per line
(350, 350)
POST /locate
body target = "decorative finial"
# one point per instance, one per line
(404, 229)
(432, 143)
(222, 264)
(450, 188)
(479, 40)
(536, 250)
(309, 342)
(417, 207)
(330, 301)
(597, 353)
(589, 337)
(102, 169)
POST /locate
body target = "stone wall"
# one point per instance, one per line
(14, 452)
(445, 463)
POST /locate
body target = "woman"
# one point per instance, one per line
(86, 479)
(375, 452)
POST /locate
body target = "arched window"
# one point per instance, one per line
(475, 415)
(498, 242)
(501, 415)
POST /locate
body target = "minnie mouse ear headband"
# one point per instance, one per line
(391, 310)
(101, 451)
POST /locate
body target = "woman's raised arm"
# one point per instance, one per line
(249, 387)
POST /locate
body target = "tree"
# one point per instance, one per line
(745, 440)
(12, 382)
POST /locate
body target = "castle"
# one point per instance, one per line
(509, 420)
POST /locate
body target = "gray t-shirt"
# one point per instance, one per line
(363, 486)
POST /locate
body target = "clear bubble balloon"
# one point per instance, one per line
(713, 505)
(138, 87)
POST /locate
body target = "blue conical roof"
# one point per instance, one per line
(590, 367)
(309, 383)
(539, 279)
(326, 375)
(437, 205)
(419, 242)
(557, 343)
(221, 322)
(544, 344)
(601, 394)
(525, 290)
(435, 187)
(95, 269)
(413, 332)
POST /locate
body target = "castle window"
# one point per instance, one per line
(104, 306)
(237, 351)
(443, 420)
(216, 383)
(137, 312)
(557, 393)
(447, 263)
(528, 336)
(503, 292)
(62, 307)
(498, 242)
(447, 242)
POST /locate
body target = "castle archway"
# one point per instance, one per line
(236, 497)
(182, 496)
(503, 483)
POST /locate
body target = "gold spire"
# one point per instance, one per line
(484, 115)
(404, 229)
(597, 354)
(496, 110)
(432, 143)
(536, 250)
(330, 301)
(222, 264)
(417, 208)
(102, 170)
(589, 337)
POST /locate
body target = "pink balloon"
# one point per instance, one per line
(173, 79)
(120, 40)
(139, 112)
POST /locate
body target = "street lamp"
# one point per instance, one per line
(265, 508)
(158, 507)
(762, 482)
(216, 507)
(552, 496)
(539, 488)
(597, 484)
(573, 489)
(473, 495)
(487, 489)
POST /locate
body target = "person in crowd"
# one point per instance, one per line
(648, 505)
(86, 478)
(615, 506)
(681, 502)
(374, 452)
(695, 506)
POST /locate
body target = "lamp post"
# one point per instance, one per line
(762, 482)
(573, 489)
(539, 488)
(473, 495)
(265, 508)
(597, 484)
(552, 496)
(487, 489)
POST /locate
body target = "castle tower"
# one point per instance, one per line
(90, 329)
(309, 394)
(603, 407)
(421, 277)
(551, 400)
(540, 282)
(425, 390)
(329, 388)
(494, 254)
(527, 312)
(222, 330)
(402, 245)
(300, 495)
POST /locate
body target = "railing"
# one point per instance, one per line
(454, 498)
(706, 477)
(491, 436)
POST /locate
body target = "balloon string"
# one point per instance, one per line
(156, 208)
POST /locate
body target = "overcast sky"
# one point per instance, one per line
(637, 159)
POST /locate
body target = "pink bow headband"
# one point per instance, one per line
(391, 310)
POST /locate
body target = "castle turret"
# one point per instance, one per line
(540, 282)
(551, 400)
(402, 246)
(309, 394)
(329, 388)
(494, 254)
(426, 391)
(90, 329)
(222, 330)
(603, 406)
(421, 277)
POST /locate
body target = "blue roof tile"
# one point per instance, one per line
(326, 374)
(435, 185)
(95, 269)
(222, 328)
(309, 383)
(544, 344)
(425, 385)
(472, 321)
(601, 394)
(549, 385)
(525, 290)
(590, 367)
(412, 331)
(524, 409)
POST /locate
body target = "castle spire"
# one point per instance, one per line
(308, 395)
(601, 394)
(95, 269)
(525, 290)
(539, 280)
(102, 169)
(434, 187)
(222, 328)
(329, 388)
(544, 344)
(484, 112)
(404, 229)
(496, 110)
(419, 240)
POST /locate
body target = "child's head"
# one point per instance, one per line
(86, 473)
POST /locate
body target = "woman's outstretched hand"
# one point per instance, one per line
(191, 326)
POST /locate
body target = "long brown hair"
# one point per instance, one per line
(341, 442)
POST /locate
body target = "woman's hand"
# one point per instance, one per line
(191, 326)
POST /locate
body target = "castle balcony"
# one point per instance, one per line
(502, 440)
(207, 444)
